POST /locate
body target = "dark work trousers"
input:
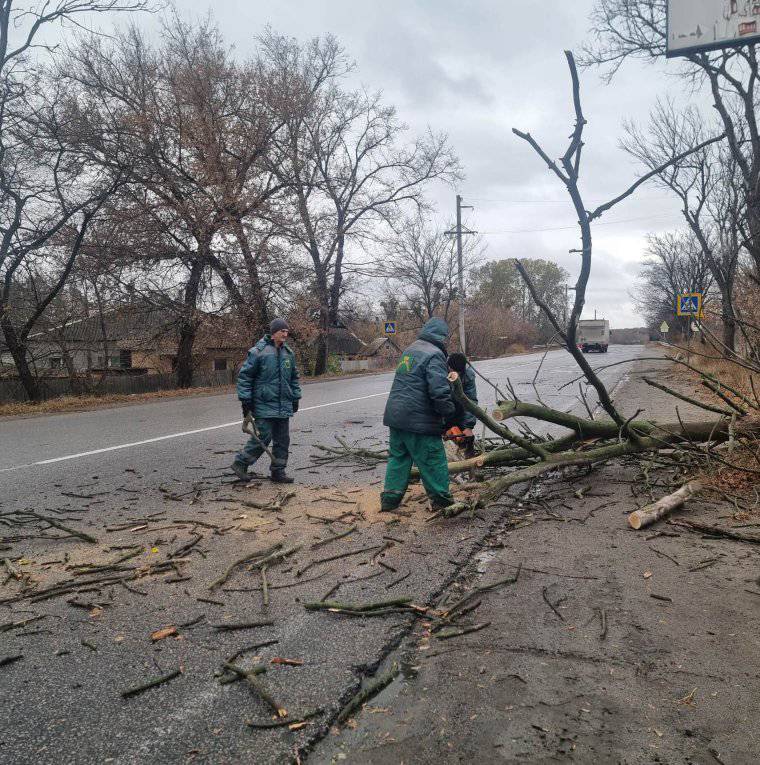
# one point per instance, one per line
(273, 430)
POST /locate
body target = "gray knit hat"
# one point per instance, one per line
(277, 325)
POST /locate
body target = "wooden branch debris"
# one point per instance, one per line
(360, 455)
(292, 722)
(716, 531)
(58, 525)
(251, 677)
(348, 554)
(648, 515)
(257, 559)
(327, 541)
(687, 399)
(138, 689)
(240, 561)
(379, 608)
(365, 694)
(242, 626)
(479, 591)
(453, 632)
(715, 388)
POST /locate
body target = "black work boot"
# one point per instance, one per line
(439, 504)
(280, 476)
(240, 470)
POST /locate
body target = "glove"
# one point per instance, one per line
(247, 407)
(295, 406)
(456, 418)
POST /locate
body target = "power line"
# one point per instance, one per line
(560, 201)
(574, 226)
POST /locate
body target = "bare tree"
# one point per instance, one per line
(674, 264)
(49, 192)
(421, 263)
(626, 29)
(194, 128)
(708, 185)
(349, 171)
(567, 171)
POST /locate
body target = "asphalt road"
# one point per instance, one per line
(161, 439)
(105, 467)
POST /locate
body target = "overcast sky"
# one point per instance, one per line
(475, 70)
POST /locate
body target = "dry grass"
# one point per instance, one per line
(733, 375)
(737, 472)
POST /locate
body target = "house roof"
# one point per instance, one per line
(139, 326)
(371, 349)
(343, 342)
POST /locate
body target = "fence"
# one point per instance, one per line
(106, 385)
(362, 365)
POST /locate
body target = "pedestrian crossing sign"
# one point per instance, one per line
(390, 327)
(689, 304)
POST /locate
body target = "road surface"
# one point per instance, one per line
(107, 471)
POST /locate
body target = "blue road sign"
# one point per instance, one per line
(689, 304)
(390, 327)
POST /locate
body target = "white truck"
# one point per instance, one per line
(593, 335)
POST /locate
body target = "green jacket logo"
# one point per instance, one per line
(406, 365)
(286, 363)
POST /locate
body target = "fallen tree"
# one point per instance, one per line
(591, 441)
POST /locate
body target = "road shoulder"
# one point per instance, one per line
(613, 645)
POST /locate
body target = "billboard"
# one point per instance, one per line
(695, 25)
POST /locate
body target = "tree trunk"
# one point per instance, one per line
(322, 348)
(17, 348)
(337, 283)
(189, 325)
(184, 366)
(729, 321)
(753, 242)
(74, 381)
(258, 304)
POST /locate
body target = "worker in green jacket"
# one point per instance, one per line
(458, 363)
(419, 410)
(269, 392)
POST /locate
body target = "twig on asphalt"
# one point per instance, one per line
(130, 692)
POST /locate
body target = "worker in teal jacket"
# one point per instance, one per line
(419, 410)
(466, 442)
(269, 392)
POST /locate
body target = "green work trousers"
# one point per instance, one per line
(428, 454)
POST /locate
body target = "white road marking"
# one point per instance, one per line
(173, 435)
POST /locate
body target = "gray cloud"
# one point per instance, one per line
(476, 70)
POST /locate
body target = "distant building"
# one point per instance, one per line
(632, 336)
(131, 340)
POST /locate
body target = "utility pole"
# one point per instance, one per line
(460, 267)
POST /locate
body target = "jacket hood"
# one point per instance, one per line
(435, 331)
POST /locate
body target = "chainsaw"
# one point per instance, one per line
(456, 435)
(465, 444)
